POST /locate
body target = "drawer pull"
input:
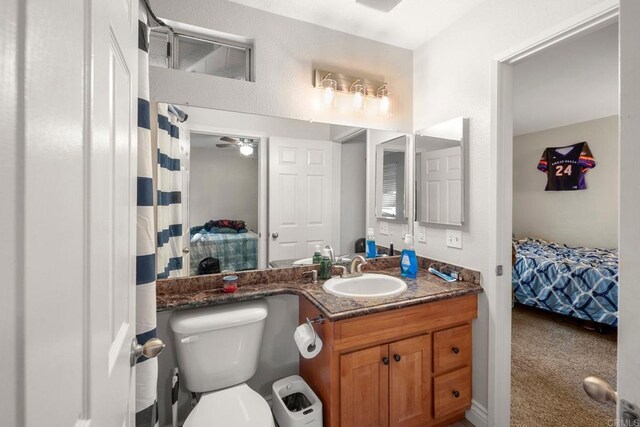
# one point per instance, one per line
(385, 360)
(455, 350)
(456, 394)
(396, 357)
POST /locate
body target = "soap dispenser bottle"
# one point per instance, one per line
(317, 256)
(372, 251)
(325, 266)
(408, 259)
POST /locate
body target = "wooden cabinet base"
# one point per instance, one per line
(394, 368)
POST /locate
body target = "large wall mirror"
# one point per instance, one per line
(392, 179)
(440, 173)
(238, 191)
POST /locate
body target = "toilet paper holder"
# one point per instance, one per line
(320, 319)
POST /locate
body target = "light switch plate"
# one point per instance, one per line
(454, 239)
(422, 234)
(383, 228)
(405, 230)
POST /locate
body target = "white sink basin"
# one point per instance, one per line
(367, 285)
(304, 261)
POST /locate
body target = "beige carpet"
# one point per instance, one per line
(550, 358)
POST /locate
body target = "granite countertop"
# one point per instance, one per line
(202, 291)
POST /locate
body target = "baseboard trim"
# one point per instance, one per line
(477, 415)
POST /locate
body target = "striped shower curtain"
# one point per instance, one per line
(146, 369)
(169, 191)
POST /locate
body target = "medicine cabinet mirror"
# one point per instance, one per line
(391, 179)
(440, 172)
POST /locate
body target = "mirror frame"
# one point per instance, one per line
(379, 162)
(463, 147)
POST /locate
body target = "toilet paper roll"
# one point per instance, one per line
(303, 336)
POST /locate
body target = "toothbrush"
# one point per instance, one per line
(442, 275)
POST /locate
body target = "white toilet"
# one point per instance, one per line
(218, 349)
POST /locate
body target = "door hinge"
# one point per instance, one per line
(498, 270)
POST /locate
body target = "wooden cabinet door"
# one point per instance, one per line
(364, 388)
(410, 382)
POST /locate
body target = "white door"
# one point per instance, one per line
(300, 197)
(112, 211)
(441, 186)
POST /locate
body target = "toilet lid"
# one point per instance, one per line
(237, 406)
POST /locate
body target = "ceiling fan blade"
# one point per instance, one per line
(226, 145)
(229, 139)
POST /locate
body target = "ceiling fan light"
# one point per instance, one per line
(246, 150)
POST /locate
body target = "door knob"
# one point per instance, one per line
(274, 235)
(600, 390)
(150, 349)
(385, 360)
(185, 250)
(396, 357)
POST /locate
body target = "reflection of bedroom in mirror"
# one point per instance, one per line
(242, 192)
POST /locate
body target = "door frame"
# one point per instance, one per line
(601, 15)
(263, 151)
(337, 184)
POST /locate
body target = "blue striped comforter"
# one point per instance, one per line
(579, 282)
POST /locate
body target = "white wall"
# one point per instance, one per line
(286, 53)
(222, 184)
(452, 78)
(353, 192)
(571, 83)
(580, 218)
(278, 356)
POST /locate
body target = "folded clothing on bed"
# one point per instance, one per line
(221, 226)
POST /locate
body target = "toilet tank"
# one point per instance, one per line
(219, 346)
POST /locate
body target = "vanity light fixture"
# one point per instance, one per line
(382, 94)
(358, 92)
(246, 149)
(329, 87)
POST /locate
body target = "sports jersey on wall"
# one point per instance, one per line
(566, 167)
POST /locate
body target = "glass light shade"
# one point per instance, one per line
(358, 93)
(246, 150)
(328, 87)
(384, 103)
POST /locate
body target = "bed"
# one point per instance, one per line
(574, 281)
(235, 252)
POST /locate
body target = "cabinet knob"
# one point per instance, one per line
(385, 360)
(396, 357)
(456, 393)
(456, 350)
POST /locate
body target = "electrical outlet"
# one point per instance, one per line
(405, 230)
(422, 234)
(454, 239)
(383, 228)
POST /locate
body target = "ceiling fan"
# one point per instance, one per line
(246, 145)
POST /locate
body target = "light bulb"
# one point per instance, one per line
(384, 105)
(329, 93)
(246, 150)
(358, 101)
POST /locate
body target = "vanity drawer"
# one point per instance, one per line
(452, 392)
(452, 348)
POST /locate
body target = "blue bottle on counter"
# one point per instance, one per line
(372, 251)
(408, 259)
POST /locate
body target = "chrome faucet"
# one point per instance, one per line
(332, 256)
(355, 268)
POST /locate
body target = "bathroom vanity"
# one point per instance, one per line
(403, 367)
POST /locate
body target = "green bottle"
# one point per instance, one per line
(317, 256)
(325, 266)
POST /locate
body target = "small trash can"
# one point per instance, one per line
(295, 404)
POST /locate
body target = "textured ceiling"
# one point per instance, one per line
(408, 25)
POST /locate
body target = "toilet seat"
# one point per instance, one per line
(237, 406)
